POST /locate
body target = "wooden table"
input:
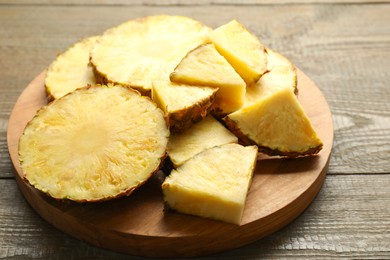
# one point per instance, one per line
(342, 46)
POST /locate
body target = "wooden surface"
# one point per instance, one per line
(344, 48)
(281, 190)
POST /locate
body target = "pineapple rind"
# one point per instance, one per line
(70, 70)
(96, 143)
(199, 137)
(184, 104)
(213, 184)
(281, 73)
(242, 49)
(278, 124)
(139, 51)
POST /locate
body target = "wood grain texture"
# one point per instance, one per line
(344, 48)
(339, 223)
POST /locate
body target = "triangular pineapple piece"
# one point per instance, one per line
(199, 137)
(184, 104)
(242, 49)
(277, 124)
(213, 184)
(206, 67)
(140, 51)
(96, 143)
(281, 74)
(70, 70)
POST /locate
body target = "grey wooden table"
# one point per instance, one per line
(344, 46)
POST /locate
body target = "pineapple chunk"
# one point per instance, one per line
(281, 74)
(70, 70)
(213, 184)
(140, 51)
(199, 137)
(277, 124)
(242, 49)
(184, 104)
(205, 66)
(96, 143)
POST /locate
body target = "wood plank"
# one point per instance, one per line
(349, 217)
(184, 2)
(343, 48)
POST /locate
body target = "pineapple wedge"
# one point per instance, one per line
(242, 49)
(206, 67)
(140, 51)
(213, 184)
(199, 137)
(184, 104)
(70, 70)
(281, 74)
(96, 143)
(277, 124)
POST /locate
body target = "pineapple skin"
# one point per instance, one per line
(213, 194)
(23, 145)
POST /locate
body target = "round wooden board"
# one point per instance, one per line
(281, 189)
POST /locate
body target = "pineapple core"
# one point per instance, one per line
(213, 184)
(96, 143)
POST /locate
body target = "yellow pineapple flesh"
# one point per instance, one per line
(199, 137)
(281, 74)
(206, 67)
(213, 184)
(70, 70)
(140, 51)
(242, 49)
(278, 124)
(96, 143)
(184, 104)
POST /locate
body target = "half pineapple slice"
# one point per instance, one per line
(70, 70)
(206, 67)
(96, 143)
(199, 137)
(184, 104)
(140, 51)
(281, 74)
(277, 124)
(213, 184)
(242, 49)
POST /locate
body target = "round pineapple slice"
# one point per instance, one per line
(140, 51)
(96, 143)
(70, 70)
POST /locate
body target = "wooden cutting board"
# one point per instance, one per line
(281, 189)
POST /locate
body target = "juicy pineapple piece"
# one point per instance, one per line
(184, 104)
(70, 70)
(199, 137)
(205, 66)
(140, 51)
(96, 143)
(281, 74)
(242, 49)
(277, 124)
(213, 184)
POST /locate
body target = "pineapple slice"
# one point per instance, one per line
(213, 184)
(70, 70)
(184, 104)
(199, 137)
(205, 66)
(242, 49)
(281, 74)
(96, 143)
(140, 51)
(277, 124)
